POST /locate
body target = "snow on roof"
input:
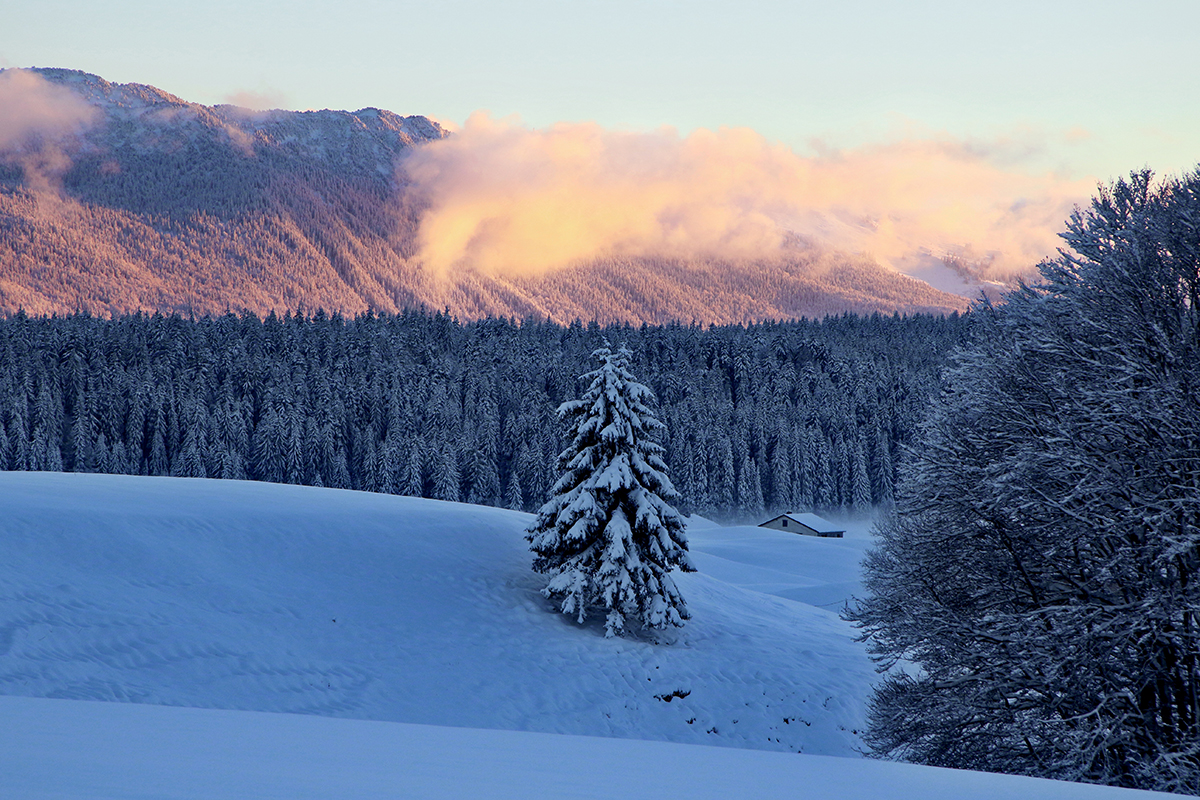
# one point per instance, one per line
(811, 521)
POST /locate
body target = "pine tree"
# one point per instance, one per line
(5, 449)
(861, 491)
(608, 538)
(722, 484)
(413, 482)
(47, 452)
(512, 497)
(447, 477)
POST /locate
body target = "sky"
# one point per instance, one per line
(1087, 89)
(913, 131)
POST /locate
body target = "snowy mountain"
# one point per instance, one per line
(403, 616)
(127, 197)
(146, 121)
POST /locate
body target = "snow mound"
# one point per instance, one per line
(262, 597)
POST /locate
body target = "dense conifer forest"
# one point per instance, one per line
(767, 417)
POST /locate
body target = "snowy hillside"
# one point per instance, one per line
(237, 595)
(391, 611)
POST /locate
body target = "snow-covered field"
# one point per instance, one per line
(260, 597)
(56, 749)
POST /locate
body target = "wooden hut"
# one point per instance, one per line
(805, 525)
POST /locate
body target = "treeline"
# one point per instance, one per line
(768, 417)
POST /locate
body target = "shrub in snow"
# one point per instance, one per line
(1042, 566)
(609, 538)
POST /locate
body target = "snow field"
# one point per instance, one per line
(262, 597)
(391, 611)
(76, 749)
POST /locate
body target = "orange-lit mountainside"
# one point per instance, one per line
(159, 204)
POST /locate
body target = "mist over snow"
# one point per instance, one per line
(257, 100)
(38, 121)
(35, 108)
(505, 200)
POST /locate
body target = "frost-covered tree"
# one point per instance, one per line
(608, 537)
(1042, 566)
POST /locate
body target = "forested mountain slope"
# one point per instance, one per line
(174, 206)
(161, 204)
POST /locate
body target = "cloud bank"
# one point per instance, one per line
(502, 199)
(37, 119)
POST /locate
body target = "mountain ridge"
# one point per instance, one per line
(164, 205)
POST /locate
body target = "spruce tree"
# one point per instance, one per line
(608, 537)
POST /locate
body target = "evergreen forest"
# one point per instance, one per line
(760, 418)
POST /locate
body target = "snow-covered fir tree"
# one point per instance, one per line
(608, 537)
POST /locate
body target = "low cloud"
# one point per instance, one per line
(504, 199)
(445, 123)
(38, 122)
(257, 100)
(1077, 134)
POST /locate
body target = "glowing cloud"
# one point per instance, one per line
(503, 199)
(36, 117)
(33, 109)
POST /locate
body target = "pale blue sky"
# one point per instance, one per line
(1088, 88)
